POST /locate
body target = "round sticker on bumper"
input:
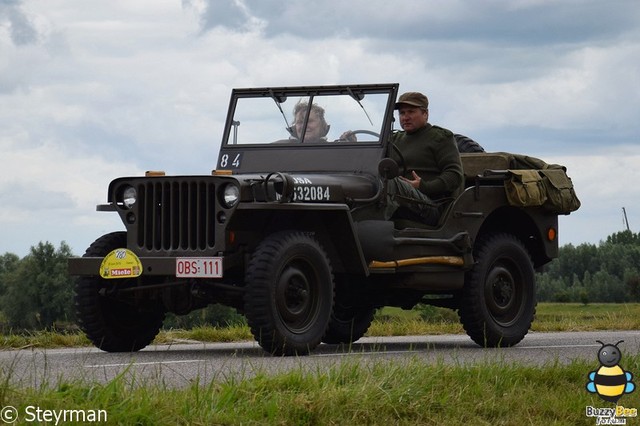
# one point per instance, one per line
(121, 263)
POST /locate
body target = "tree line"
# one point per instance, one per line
(36, 291)
(608, 272)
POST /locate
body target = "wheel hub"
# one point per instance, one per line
(294, 298)
(503, 292)
(502, 295)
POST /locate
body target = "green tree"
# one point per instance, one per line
(573, 260)
(39, 292)
(607, 288)
(624, 237)
(607, 272)
(8, 263)
(632, 283)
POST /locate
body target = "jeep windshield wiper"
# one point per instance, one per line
(278, 100)
(358, 98)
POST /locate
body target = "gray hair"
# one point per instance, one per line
(315, 108)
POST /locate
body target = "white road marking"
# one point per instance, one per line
(133, 363)
(555, 347)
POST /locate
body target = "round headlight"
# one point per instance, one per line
(129, 196)
(230, 195)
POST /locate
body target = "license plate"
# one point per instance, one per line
(199, 267)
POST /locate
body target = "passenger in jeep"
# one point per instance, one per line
(429, 162)
(317, 126)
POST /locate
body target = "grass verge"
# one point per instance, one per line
(348, 393)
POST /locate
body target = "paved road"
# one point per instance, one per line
(184, 363)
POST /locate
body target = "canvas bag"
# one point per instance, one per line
(561, 197)
(524, 188)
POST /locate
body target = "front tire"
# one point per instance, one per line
(498, 298)
(352, 315)
(113, 325)
(289, 293)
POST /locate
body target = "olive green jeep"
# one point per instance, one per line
(286, 229)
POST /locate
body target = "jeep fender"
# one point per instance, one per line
(332, 225)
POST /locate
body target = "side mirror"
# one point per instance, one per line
(388, 168)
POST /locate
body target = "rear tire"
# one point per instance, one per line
(289, 293)
(498, 298)
(113, 325)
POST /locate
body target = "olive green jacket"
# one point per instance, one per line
(432, 153)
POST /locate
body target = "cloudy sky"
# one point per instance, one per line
(91, 90)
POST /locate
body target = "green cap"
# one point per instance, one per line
(413, 98)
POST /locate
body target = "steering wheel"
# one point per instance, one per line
(402, 166)
(366, 132)
(358, 132)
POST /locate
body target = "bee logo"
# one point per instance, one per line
(610, 381)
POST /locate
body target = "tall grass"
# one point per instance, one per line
(549, 317)
(591, 317)
(45, 339)
(350, 393)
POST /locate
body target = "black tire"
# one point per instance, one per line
(351, 318)
(111, 324)
(289, 293)
(466, 144)
(498, 299)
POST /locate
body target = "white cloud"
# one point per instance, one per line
(91, 93)
(604, 184)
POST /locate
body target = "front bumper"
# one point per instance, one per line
(90, 266)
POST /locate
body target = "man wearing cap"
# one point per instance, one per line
(429, 158)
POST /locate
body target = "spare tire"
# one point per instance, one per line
(466, 144)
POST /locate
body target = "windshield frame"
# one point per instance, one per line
(304, 156)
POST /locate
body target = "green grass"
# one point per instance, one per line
(549, 317)
(349, 393)
(388, 322)
(43, 339)
(591, 317)
(231, 333)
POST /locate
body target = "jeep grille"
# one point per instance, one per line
(176, 215)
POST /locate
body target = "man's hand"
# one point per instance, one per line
(415, 182)
(348, 136)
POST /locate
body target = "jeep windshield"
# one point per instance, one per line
(308, 123)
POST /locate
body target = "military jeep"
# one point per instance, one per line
(287, 230)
